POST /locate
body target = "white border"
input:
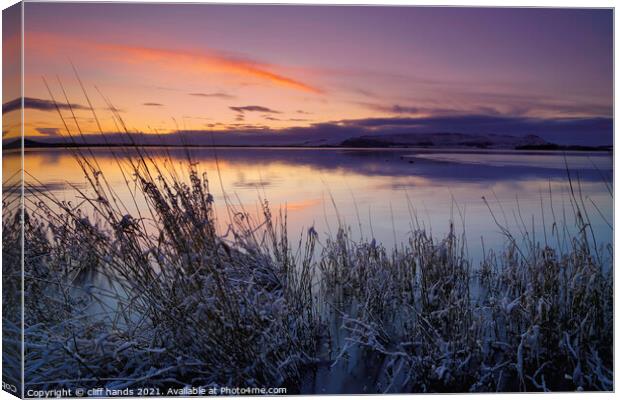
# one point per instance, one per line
(461, 3)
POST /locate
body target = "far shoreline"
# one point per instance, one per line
(32, 145)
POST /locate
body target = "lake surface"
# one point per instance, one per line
(381, 193)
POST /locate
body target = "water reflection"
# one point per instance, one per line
(382, 194)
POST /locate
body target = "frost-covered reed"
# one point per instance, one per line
(162, 299)
(168, 302)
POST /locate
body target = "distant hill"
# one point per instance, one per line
(446, 140)
(29, 143)
(431, 140)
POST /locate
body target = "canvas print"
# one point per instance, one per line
(222, 199)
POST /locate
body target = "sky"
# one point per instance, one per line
(281, 70)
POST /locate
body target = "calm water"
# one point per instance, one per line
(382, 194)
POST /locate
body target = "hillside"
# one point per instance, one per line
(446, 140)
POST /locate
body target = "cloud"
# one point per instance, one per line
(48, 131)
(596, 130)
(114, 109)
(262, 109)
(199, 61)
(433, 111)
(582, 131)
(218, 95)
(564, 131)
(579, 131)
(214, 125)
(393, 109)
(37, 104)
(249, 127)
(153, 104)
(398, 109)
(540, 106)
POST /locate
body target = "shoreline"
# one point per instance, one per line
(10, 147)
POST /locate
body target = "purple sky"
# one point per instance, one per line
(281, 67)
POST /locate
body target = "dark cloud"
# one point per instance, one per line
(254, 109)
(48, 131)
(598, 130)
(218, 95)
(564, 131)
(580, 131)
(37, 104)
(153, 104)
(471, 123)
